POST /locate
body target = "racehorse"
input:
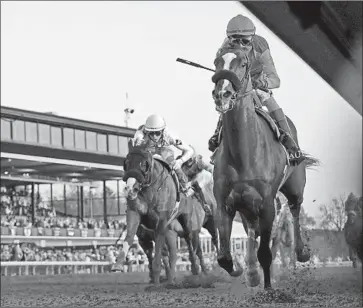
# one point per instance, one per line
(353, 228)
(251, 165)
(151, 194)
(146, 235)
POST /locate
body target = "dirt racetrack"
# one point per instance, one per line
(305, 287)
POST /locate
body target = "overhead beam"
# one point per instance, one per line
(316, 31)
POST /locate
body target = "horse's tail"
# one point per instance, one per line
(310, 161)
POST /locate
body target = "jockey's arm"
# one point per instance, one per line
(269, 74)
(205, 165)
(187, 151)
(266, 76)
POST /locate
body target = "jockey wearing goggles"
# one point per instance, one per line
(160, 141)
(241, 34)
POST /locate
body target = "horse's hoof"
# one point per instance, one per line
(237, 272)
(153, 287)
(253, 278)
(172, 286)
(303, 256)
(226, 264)
(195, 272)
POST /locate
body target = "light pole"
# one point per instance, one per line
(128, 111)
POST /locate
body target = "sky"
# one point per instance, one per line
(79, 59)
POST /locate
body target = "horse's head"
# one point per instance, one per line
(138, 167)
(231, 77)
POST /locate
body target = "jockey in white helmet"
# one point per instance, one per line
(157, 138)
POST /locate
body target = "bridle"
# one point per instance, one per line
(239, 85)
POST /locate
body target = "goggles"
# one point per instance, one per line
(241, 40)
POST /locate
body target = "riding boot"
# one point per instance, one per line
(286, 138)
(184, 184)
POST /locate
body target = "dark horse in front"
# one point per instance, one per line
(151, 193)
(251, 165)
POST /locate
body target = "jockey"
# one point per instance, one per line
(196, 164)
(159, 141)
(241, 33)
(191, 169)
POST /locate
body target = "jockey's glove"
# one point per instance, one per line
(178, 163)
(260, 84)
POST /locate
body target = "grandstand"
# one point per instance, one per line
(53, 166)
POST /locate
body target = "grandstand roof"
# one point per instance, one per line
(47, 148)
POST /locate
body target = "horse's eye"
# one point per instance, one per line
(144, 166)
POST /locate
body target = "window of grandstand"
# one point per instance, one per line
(80, 137)
(56, 136)
(112, 200)
(72, 200)
(112, 144)
(5, 129)
(101, 143)
(58, 198)
(31, 132)
(68, 135)
(123, 147)
(18, 130)
(122, 198)
(44, 133)
(91, 141)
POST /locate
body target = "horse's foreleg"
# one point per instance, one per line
(159, 245)
(171, 240)
(225, 217)
(211, 227)
(148, 247)
(199, 252)
(186, 223)
(266, 218)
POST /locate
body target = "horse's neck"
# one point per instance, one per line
(240, 128)
(158, 174)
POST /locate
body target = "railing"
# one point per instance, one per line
(26, 268)
(97, 267)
